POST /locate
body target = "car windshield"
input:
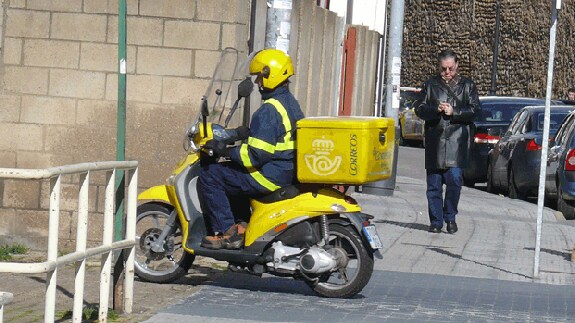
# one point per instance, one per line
(499, 112)
(408, 98)
(554, 121)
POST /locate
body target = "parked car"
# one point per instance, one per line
(496, 115)
(513, 163)
(411, 126)
(560, 174)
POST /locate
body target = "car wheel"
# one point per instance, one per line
(401, 140)
(490, 187)
(514, 193)
(565, 207)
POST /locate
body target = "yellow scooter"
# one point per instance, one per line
(311, 232)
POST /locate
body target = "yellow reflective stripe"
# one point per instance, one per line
(244, 155)
(267, 147)
(285, 119)
(260, 144)
(262, 180)
(281, 146)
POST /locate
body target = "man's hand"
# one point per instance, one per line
(445, 108)
(219, 148)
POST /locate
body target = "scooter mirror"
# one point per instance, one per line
(205, 114)
(245, 88)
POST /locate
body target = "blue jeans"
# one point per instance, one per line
(224, 190)
(441, 209)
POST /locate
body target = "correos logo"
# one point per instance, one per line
(321, 162)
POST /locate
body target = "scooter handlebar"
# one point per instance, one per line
(240, 133)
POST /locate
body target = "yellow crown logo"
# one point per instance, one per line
(322, 146)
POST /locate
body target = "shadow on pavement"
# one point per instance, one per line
(450, 254)
(565, 255)
(262, 284)
(416, 226)
(267, 283)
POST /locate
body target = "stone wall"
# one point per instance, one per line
(59, 89)
(468, 26)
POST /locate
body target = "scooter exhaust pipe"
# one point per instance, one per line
(317, 261)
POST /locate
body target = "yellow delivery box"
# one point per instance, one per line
(344, 150)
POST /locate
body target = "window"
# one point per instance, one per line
(555, 119)
(518, 122)
(499, 112)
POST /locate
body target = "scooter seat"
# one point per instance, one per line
(284, 193)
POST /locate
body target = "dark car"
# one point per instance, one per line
(560, 174)
(514, 162)
(496, 115)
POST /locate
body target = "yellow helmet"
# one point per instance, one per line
(273, 66)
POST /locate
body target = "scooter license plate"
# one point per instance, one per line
(371, 234)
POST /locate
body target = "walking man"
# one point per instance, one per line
(450, 105)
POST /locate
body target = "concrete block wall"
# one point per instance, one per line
(59, 89)
(316, 47)
(365, 72)
(316, 43)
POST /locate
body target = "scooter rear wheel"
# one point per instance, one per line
(159, 267)
(351, 279)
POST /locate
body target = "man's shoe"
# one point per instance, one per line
(451, 227)
(213, 242)
(234, 236)
(433, 229)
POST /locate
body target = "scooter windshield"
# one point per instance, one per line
(230, 70)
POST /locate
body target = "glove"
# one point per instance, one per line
(219, 148)
(243, 132)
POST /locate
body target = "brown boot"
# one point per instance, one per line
(213, 242)
(234, 236)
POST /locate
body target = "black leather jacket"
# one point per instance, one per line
(447, 138)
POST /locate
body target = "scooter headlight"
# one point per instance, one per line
(192, 131)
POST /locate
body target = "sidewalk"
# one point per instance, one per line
(496, 240)
(496, 237)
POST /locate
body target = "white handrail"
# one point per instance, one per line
(5, 298)
(53, 262)
(22, 173)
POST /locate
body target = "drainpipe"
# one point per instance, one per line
(387, 187)
(349, 12)
(120, 156)
(278, 25)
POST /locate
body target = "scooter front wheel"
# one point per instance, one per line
(173, 261)
(351, 278)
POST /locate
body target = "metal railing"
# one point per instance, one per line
(53, 262)
(5, 298)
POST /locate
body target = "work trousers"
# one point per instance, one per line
(224, 190)
(442, 209)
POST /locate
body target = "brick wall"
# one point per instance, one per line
(59, 88)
